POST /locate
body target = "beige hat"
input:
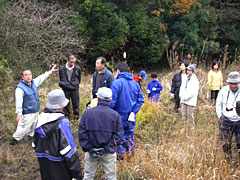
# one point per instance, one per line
(233, 77)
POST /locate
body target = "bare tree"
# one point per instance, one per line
(39, 32)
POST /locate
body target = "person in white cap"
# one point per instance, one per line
(100, 132)
(53, 141)
(188, 95)
(229, 120)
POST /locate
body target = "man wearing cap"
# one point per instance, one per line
(27, 103)
(53, 141)
(100, 132)
(70, 77)
(102, 77)
(226, 108)
(188, 95)
(139, 77)
(127, 100)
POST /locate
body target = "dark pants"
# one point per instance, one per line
(214, 94)
(177, 101)
(227, 128)
(72, 94)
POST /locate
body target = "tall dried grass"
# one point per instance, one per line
(166, 149)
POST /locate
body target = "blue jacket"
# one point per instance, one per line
(100, 127)
(154, 94)
(31, 103)
(127, 96)
(108, 78)
(55, 148)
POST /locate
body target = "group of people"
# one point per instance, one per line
(185, 87)
(106, 132)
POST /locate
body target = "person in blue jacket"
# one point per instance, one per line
(154, 88)
(53, 141)
(127, 100)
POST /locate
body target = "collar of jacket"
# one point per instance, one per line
(47, 110)
(24, 82)
(103, 103)
(104, 70)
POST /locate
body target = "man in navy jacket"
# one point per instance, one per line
(102, 77)
(70, 77)
(127, 100)
(100, 132)
(53, 141)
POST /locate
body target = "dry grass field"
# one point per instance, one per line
(166, 149)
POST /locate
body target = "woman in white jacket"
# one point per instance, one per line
(188, 94)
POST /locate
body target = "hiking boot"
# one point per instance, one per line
(14, 142)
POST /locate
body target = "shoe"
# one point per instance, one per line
(14, 142)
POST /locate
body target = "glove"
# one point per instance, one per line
(131, 117)
(209, 87)
(148, 91)
(172, 95)
(154, 89)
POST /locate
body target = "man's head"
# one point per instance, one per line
(233, 81)
(121, 67)
(26, 75)
(191, 69)
(56, 99)
(142, 75)
(104, 94)
(154, 76)
(71, 61)
(100, 63)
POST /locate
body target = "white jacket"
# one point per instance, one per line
(189, 91)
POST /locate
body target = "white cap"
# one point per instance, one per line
(104, 93)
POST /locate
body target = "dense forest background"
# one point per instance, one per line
(34, 34)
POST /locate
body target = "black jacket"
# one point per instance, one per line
(100, 127)
(108, 78)
(75, 80)
(55, 148)
(176, 82)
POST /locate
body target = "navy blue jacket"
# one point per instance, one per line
(108, 78)
(75, 79)
(31, 103)
(55, 148)
(127, 96)
(100, 127)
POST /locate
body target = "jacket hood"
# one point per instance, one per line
(48, 121)
(125, 75)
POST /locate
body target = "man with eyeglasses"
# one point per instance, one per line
(226, 108)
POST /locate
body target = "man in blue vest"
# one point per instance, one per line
(127, 100)
(27, 103)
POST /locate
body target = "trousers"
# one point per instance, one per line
(26, 126)
(187, 113)
(72, 94)
(108, 163)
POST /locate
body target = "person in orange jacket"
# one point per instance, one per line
(215, 80)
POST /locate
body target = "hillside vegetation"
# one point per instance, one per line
(165, 148)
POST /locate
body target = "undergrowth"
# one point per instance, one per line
(166, 149)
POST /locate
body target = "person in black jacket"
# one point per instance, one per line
(53, 142)
(177, 82)
(102, 77)
(70, 77)
(100, 132)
